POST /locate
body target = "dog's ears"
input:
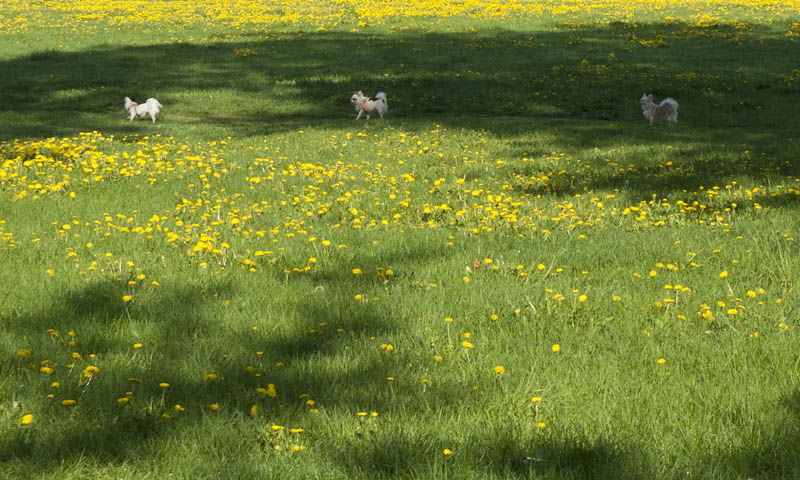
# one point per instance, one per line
(359, 93)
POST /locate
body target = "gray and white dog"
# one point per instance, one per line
(667, 110)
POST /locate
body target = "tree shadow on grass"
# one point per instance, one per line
(322, 347)
(772, 455)
(498, 452)
(341, 371)
(577, 85)
(566, 73)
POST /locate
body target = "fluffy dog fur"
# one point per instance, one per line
(667, 110)
(151, 106)
(367, 106)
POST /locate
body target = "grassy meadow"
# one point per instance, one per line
(512, 275)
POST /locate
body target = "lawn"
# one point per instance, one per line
(512, 275)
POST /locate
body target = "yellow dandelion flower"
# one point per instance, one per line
(253, 410)
(68, 403)
(499, 369)
(466, 344)
(556, 347)
(27, 419)
(447, 452)
(536, 399)
(213, 407)
(127, 298)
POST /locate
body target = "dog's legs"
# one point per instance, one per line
(153, 116)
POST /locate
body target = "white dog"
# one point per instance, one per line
(151, 106)
(666, 110)
(364, 105)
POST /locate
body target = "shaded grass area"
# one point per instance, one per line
(565, 72)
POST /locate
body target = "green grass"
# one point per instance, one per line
(514, 188)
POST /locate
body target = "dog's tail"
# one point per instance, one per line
(383, 107)
(671, 102)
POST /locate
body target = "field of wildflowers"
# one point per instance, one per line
(511, 275)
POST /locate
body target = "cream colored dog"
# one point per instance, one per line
(666, 110)
(151, 106)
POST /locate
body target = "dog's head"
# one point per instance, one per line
(646, 100)
(128, 103)
(356, 98)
